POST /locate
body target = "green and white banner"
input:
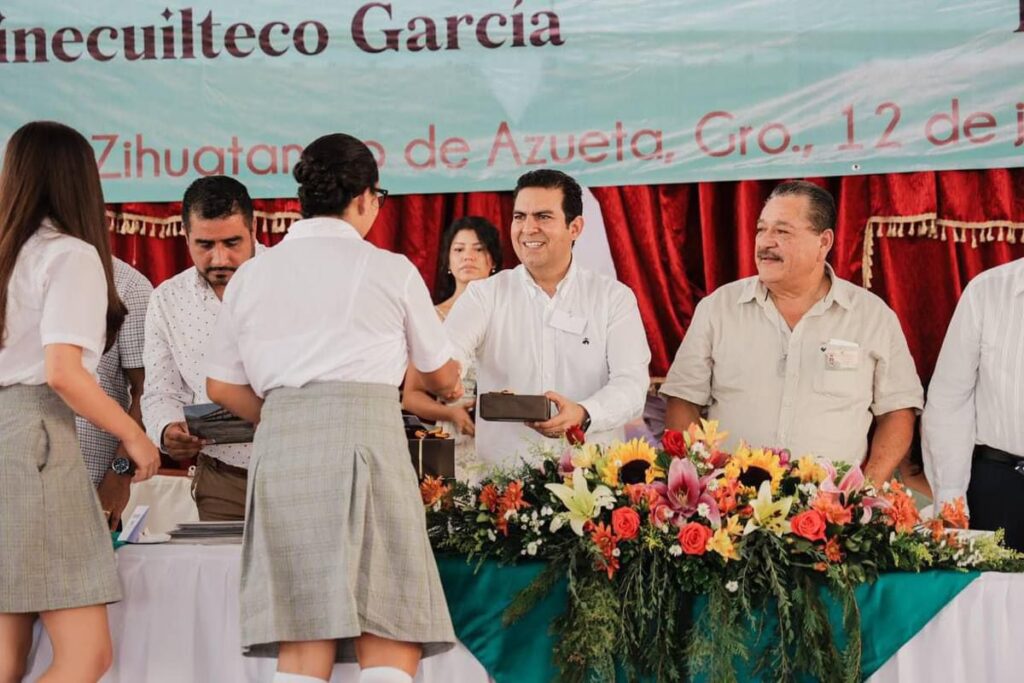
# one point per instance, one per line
(457, 96)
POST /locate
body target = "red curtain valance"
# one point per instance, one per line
(915, 239)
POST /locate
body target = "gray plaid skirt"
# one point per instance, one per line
(335, 538)
(55, 549)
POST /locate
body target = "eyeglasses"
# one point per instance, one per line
(382, 194)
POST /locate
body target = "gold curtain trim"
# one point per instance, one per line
(151, 226)
(931, 226)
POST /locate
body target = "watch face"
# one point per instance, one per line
(121, 465)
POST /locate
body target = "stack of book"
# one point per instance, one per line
(208, 533)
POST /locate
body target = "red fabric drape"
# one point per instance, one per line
(675, 244)
(918, 237)
(410, 225)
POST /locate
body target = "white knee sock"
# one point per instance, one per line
(281, 677)
(384, 674)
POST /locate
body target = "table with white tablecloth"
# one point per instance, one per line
(178, 623)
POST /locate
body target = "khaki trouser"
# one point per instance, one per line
(219, 490)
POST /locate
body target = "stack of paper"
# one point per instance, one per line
(208, 533)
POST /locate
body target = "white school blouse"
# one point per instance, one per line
(325, 306)
(57, 295)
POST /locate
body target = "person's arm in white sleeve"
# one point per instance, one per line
(949, 422)
(629, 357)
(688, 386)
(166, 394)
(430, 353)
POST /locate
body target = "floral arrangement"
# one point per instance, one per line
(639, 531)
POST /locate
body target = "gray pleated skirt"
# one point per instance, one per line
(335, 538)
(55, 549)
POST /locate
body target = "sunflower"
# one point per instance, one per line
(632, 462)
(753, 466)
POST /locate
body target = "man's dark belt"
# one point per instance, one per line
(982, 452)
(221, 466)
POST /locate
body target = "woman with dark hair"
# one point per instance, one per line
(470, 250)
(312, 342)
(58, 310)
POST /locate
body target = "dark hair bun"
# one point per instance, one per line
(316, 181)
(333, 170)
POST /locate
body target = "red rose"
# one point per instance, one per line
(694, 538)
(575, 435)
(674, 443)
(625, 523)
(809, 524)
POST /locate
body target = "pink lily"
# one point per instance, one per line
(565, 466)
(685, 492)
(870, 503)
(852, 482)
(784, 455)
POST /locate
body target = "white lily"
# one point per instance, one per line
(581, 504)
(768, 514)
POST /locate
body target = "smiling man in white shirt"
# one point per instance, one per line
(972, 429)
(217, 214)
(795, 357)
(549, 326)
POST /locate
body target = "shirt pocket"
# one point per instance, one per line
(845, 376)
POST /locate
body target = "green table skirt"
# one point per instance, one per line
(893, 609)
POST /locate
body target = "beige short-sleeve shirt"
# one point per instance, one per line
(812, 389)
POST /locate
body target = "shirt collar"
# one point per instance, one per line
(321, 226)
(839, 291)
(533, 289)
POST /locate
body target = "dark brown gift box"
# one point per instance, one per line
(433, 457)
(504, 407)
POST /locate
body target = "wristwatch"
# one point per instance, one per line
(585, 425)
(123, 466)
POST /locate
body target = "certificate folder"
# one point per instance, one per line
(210, 421)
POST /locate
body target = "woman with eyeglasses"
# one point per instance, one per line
(58, 309)
(312, 343)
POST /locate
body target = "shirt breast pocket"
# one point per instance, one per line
(836, 382)
(843, 372)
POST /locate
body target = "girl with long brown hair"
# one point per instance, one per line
(58, 307)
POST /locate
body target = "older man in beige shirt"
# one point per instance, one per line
(796, 357)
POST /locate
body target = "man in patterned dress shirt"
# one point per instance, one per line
(217, 215)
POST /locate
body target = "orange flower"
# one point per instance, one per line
(902, 513)
(725, 495)
(937, 529)
(635, 493)
(809, 524)
(834, 512)
(832, 551)
(606, 542)
(953, 514)
(512, 499)
(489, 497)
(433, 489)
(694, 537)
(820, 566)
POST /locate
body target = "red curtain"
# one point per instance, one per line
(915, 238)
